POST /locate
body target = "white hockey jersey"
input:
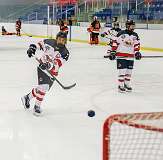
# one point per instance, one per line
(52, 53)
(112, 33)
(126, 44)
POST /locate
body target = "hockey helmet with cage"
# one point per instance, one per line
(130, 23)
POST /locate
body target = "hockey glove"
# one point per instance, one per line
(53, 70)
(31, 51)
(45, 66)
(138, 56)
(112, 55)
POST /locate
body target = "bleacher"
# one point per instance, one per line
(42, 13)
(154, 12)
(39, 12)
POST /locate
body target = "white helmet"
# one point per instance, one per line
(95, 18)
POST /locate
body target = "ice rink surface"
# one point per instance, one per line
(65, 132)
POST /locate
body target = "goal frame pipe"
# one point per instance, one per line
(127, 119)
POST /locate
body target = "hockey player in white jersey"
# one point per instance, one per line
(52, 56)
(125, 48)
(110, 35)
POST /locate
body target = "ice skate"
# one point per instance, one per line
(128, 88)
(26, 101)
(106, 56)
(121, 89)
(37, 110)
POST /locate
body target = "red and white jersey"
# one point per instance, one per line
(111, 34)
(52, 53)
(126, 44)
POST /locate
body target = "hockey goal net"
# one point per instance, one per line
(136, 136)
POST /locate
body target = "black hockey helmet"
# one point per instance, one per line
(61, 38)
(61, 35)
(116, 24)
(129, 23)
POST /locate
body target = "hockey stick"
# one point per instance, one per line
(55, 79)
(26, 34)
(63, 86)
(145, 56)
(152, 56)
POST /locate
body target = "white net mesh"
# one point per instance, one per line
(129, 143)
(133, 137)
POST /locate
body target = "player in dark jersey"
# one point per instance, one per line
(18, 27)
(63, 27)
(94, 30)
(54, 54)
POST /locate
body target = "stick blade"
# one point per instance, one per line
(69, 87)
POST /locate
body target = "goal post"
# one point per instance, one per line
(137, 136)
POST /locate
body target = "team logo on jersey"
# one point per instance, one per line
(129, 43)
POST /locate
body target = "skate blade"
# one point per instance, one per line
(121, 91)
(23, 102)
(129, 91)
(37, 114)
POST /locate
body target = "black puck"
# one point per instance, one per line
(91, 113)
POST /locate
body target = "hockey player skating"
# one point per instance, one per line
(110, 35)
(125, 48)
(53, 55)
(94, 30)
